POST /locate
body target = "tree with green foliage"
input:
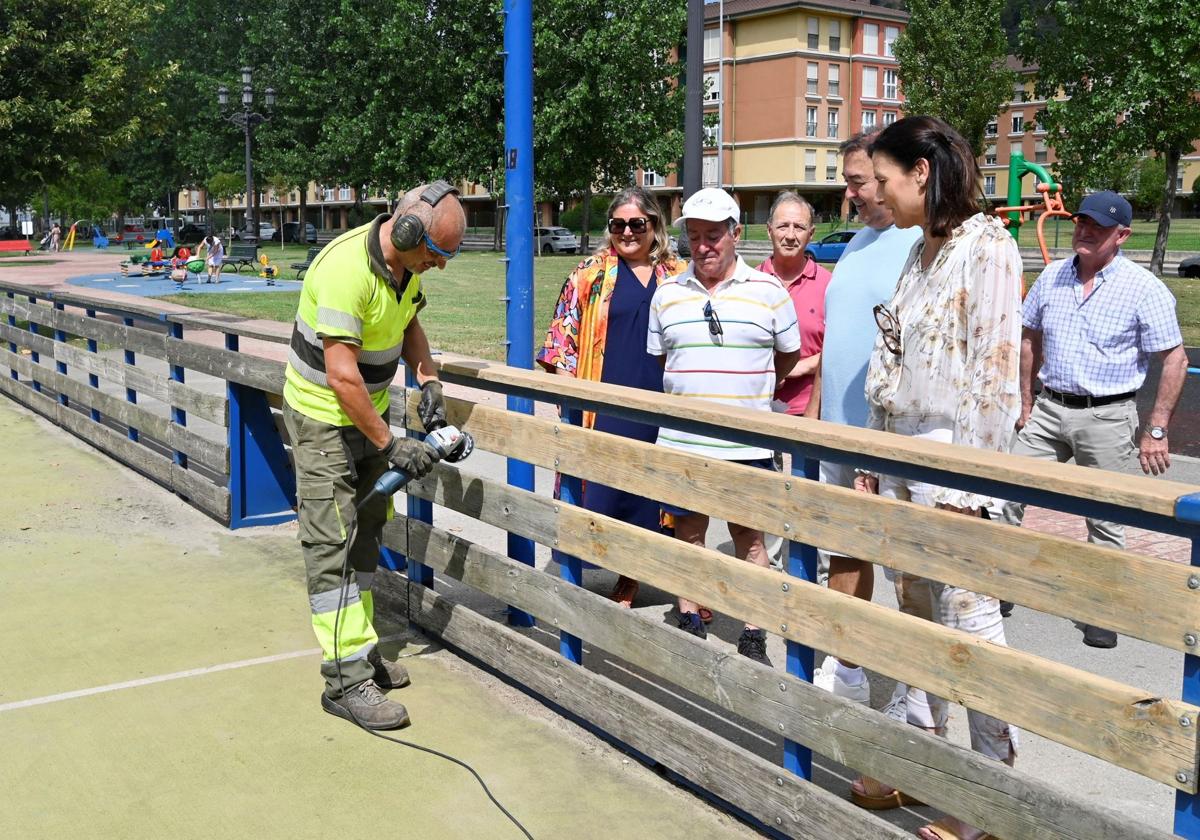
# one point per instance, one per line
(953, 64)
(222, 186)
(1121, 79)
(1147, 186)
(91, 193)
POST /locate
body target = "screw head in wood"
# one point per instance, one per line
(782, 628)
(1189, 639)
(1185, 721)
(786, 587)
(1193, 581)
(787, 485)
(1181, 777)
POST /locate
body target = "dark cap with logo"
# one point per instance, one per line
(1106, 208)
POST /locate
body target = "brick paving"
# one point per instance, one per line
(1137, 540)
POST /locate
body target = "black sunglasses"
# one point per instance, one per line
(637, 224)
(714, 323)
(889, 328)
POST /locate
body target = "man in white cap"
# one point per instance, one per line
(1091, 323)
(727, 333)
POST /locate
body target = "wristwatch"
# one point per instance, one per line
(1158, 432)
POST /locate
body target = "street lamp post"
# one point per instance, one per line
(247, 119)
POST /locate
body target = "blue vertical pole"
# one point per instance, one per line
(1187, 805)
(130, 394)
(178, 415)
(33, 354)
(93, 379)
(12, 345)
(518, 192)
(61, 367)
(419, 509)
(802, 563)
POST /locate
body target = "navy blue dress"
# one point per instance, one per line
(626, 362)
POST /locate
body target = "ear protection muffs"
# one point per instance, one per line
(408, 229)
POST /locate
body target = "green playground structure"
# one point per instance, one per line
(1051, 206)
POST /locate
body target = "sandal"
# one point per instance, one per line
(624, 592)
(705, 614)
(945, 831)
(876, 796)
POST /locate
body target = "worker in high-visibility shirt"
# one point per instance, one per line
(356, 319)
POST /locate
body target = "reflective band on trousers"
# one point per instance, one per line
(355, 636)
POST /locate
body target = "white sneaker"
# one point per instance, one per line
(827, 678)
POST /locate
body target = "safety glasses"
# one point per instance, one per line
(435, 249)
(638, 224)
(889, 328)
(714, 323)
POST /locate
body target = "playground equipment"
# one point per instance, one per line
(267, 270)
(1051, 206)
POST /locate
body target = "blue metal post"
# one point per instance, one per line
(59, 366)
(419, 509)
(178, 415)
(12, 345)
(802, 563)
(93, 379)
(570, 568)
(518, 240)
(130, 394)
(1187, 805)
(262, 485)
(33, 354)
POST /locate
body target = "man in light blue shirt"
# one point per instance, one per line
(866, 275)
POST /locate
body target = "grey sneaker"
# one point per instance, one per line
(366, 704)
(388, 674)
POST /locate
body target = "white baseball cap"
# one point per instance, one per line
(710, 205)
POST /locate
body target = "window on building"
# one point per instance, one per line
(327, 193)
(835, 35)
(1178, 183)
(1018, 92)
(1018, 123)
(712, 87)
(830, 168)
(890, 89)
(1038, 125)
(989, 184)
(650, 178)
(814, 33)
(810, 123)
(708, 173)
(814, 70)
(989, 155)
(992, 128)
(868, 122)
(870, 86)
(710, 135)
(890, 34)
(810, 165)
(871, 38)
(194, 198)
(344, 194)
(1016, 149)
(889, 117)
(833, 123)
(712, 44)
(1041, 154)
(835, 80)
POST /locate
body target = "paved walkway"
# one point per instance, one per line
(160, 680)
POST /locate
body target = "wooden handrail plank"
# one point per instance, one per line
(985, 793)
(1150, 495)
(211, 407)
(1145, 597)
(118, 335)
(230, 365)
(780, 800)
(24, 338)
(1112, 721)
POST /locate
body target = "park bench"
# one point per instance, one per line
(302, 267)
(16, 245)
(241, 254)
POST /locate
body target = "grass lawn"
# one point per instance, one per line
(465, 314)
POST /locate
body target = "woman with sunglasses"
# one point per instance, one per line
(945, 367)
(599, 333)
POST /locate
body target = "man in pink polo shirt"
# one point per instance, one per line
(790, 226)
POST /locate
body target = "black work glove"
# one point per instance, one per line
(409, 455)
(432, 408)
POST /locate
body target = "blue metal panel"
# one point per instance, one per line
(130, 394)
(1187, 508)
(419, 509)
(178, 415)
(802, 563)
(1187, 805)
(518, 191)
(262, 486)
(12, 345)
(93, 379)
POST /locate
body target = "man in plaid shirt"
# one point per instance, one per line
(1091, 324)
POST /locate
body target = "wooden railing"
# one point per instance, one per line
(1147, 598)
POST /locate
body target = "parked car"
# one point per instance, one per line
(555, 240)
(829, 248)
(266, 231)
(291, 233)
(190, 233)
(1189, 267)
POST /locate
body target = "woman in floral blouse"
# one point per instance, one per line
(945, 367)
(599, 333)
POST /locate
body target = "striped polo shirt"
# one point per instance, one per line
(735, 368)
